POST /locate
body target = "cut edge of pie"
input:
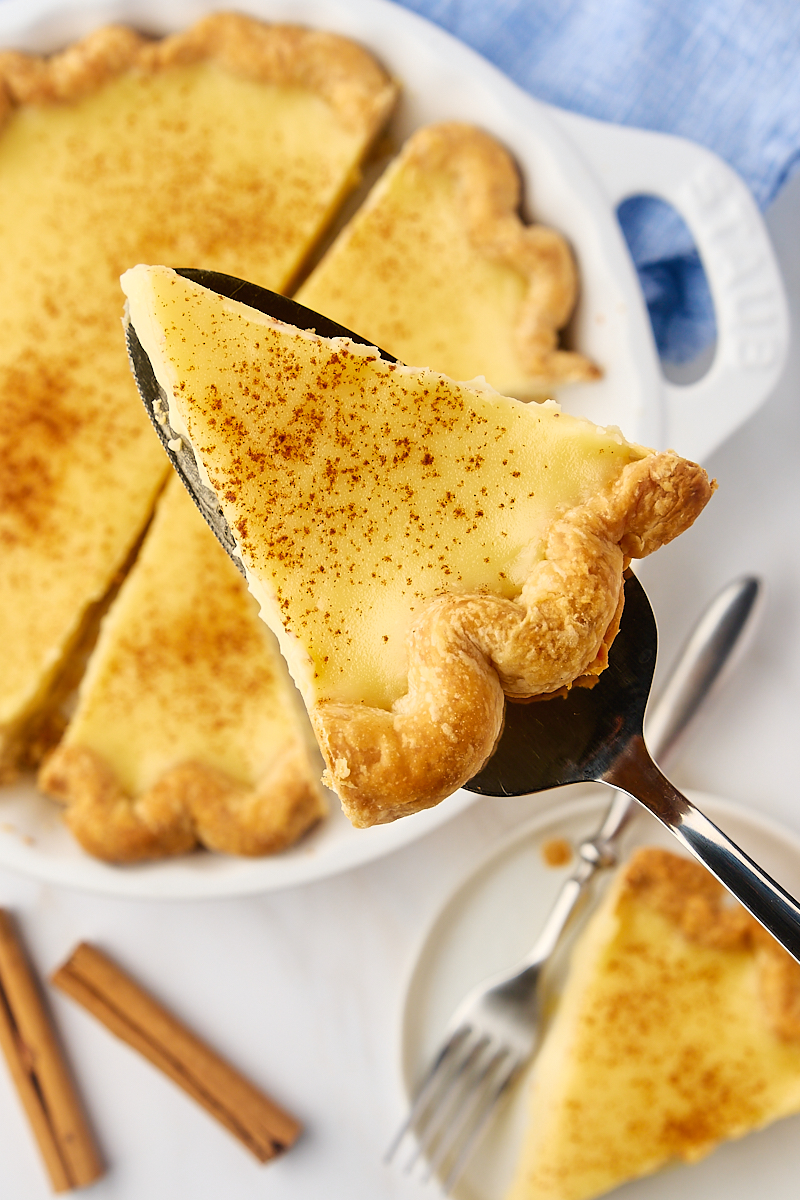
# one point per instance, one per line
(466, 650)
(38, 725)
(361, 96)
(487, 186)
(181, 680)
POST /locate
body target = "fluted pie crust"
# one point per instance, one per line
(467, 652)
(346, 77)
(366, 498)
(438, 268)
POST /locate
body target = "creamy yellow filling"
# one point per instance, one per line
(222, 161)
(189, 165)
(184, 670)
(661, 1048)
(358, 490)
(407, 275)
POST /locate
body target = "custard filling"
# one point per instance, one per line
(230, 143)
(359, 490)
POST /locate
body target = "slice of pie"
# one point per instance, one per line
(437, 268)
(678, 1028)
(419, 546)
(188, 728)
(230, 144)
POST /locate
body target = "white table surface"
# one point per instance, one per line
(302, 989)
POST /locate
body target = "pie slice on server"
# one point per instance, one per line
(678, 1028)
(231, 143)
(188, 728)
(437, 268)
(420, 547)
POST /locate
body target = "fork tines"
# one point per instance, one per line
(454, 1102)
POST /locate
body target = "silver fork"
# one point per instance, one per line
(496, 1028)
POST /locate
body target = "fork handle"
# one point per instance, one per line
(635, 772)
(565, 904)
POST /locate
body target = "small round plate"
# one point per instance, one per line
(491, 921)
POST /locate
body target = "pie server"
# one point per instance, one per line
(591, 735)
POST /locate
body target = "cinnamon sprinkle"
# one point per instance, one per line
(688, 895)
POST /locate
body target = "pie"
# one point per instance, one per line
(420, 547)
(437, 268)
(188, 728)
(230, 145)
(678, 1028)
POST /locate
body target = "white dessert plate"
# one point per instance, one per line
(575, 172)
(493, 918)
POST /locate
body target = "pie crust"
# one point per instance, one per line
(437, 268)
(678, 1027)
(335, 469)
(189, 805)
(467, 652)
(346, 77)
(230, 144)
(188, 728)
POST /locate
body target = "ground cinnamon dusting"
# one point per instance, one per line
(38, 422)
(399, 484)
(689, 896)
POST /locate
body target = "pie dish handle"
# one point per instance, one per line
(737, 255)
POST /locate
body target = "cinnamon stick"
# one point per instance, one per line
(133, 1015)
(39, 1072)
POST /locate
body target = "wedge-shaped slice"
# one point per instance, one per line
(679, 1027)
(419, 546)
(229, 144)
(437, 268)
(188, 727)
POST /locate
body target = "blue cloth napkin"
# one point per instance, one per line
(725, 73)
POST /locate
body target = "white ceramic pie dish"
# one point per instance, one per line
(575, 173)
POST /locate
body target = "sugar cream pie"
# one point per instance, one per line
(188, 728)
(437, 268)
(230, 144)
(419, 546)
(678, 1028)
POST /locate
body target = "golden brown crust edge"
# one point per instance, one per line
(489, 186)
(466, 651)
(345, 76)
(191, 803)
